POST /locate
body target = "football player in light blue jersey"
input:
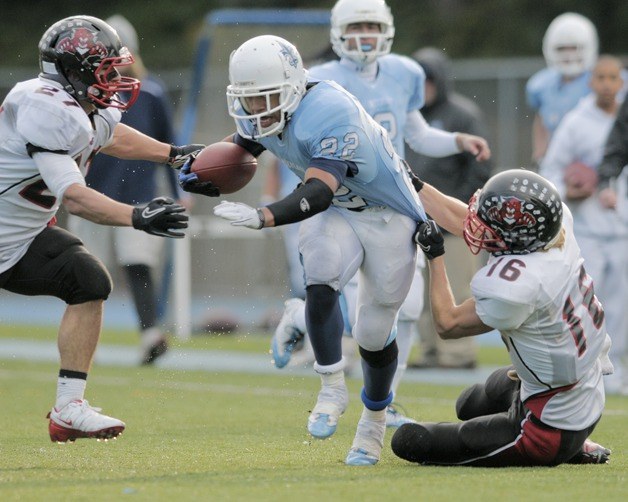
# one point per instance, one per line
(391, 89)
(570, 48)
(358, 209)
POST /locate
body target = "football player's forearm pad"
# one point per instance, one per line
(308, 199)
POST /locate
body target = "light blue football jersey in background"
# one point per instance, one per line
(398, 88)
(552, 98)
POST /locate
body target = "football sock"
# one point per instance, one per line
(70, 387)
(324, 323)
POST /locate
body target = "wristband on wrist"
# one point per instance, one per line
(262, 218)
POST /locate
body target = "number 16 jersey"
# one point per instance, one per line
(544, 306)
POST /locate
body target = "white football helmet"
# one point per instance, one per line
(346, 12)
(268, 67)
(570, 44)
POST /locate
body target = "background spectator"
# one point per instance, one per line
(571, 162)
(570, 48)
(458, 176)
(134, 182)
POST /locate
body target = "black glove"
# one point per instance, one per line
(189, 182)
(417, 182)
(430, 239)
(179, 155)
(161, 216)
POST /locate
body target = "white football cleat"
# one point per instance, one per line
(287, 336)
(395, 418)
(78, 419)
(331, 404)
(369, 439)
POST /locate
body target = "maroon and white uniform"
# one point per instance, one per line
(62, 138)
(544, 306)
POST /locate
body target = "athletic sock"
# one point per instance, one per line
(70, 387)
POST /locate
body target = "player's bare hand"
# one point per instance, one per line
(608, 198)
(475, 145)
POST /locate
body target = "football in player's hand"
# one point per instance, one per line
(227, 165)
(580, 180)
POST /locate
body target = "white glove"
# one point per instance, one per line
(240, 215)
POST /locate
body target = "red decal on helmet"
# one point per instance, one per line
(83, 41)
(511, 213)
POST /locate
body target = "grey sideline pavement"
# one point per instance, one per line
(118, 314)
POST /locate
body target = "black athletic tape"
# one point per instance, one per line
(380, 358)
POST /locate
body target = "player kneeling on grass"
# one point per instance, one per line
(50, 128)
(535, 291)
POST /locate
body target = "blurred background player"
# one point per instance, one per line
(135, 182)
(50, 129)
(571, 162)
(458, 176)
(535, 291)
(391, 89)
(570, 48)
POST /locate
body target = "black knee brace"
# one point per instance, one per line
(89, 278)
(380, 358)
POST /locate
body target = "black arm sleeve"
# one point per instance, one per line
(308, 199)
(616, 150)
(252, 147)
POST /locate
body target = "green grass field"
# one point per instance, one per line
(217, 436)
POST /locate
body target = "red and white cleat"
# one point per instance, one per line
(78, 419)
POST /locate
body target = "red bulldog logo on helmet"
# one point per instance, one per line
(510, 212)
(83, 41)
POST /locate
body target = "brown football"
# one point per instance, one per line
(581, 177)
(227, 165)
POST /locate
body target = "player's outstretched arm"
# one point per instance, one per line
(447, 211)
(450, 320)
(129, 143)
(160, 217)
(317, 191)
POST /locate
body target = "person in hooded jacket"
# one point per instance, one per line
(459, 176)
